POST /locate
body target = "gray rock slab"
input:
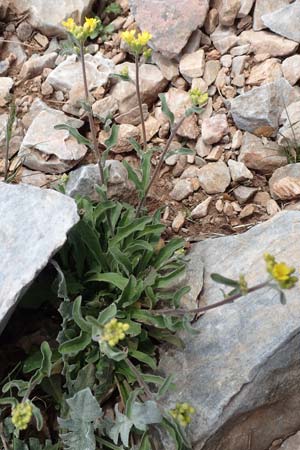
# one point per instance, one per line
(244, 365)
(33, 226)
(258, 111)
(170, 23)
(47, 15)
(50, 150)
(285, 21)
(83, 181)
(69, 73)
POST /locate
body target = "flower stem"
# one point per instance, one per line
(227, 300)
(90, 116)
(160, 163)
(138, 94)
(139, 378)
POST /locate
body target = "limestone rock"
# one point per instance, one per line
(269, 43)
(125, 133)
(228, 11)
(105, 107)
(178, 221)
(258, 110)
(265, 72)
(35, 65)
(262, 155)
(45, 217)
(49, 150)
(6, 83)
(83, 181)
(292, 443)
(291, 69)
(179, 101)
(168, 67)
(214, 177)
(244, 193)
(285, 182)
(239, 171)
(214, 128)
(47, 16)
(133, 116)
(182, 189)
(263, 7)
(171, 25)
(201, 210)
(287, 133)
(224, 38)
(16, 137)
(152, 83)
(192, 64)
(256, 374)
(246, 6)
(285, 21)
(69, 72)
(211, 71)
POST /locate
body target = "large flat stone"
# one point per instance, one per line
(47, 15)
(285, 21)
(242, 370)
(258, 111)
(33, 227)
(171, 23)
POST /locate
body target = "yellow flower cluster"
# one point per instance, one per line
(81, 32)
(197, 97)
(114, 332)
(137, 42)
(281, 272)
(21, 415)
(182, 413)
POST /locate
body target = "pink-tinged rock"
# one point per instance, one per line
(214, 177)
(214, 128)
(285, 182)
(171, 22)
(179, 101)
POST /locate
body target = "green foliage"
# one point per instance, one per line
(113, 9)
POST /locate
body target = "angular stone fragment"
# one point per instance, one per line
(201, 210)
(269, 43)
(285, 182)
(6, 83)
(69, 72)
(258, 110)
(214, 128)
(152, 83)
(214, 177)
(171, 24)
(83, 181)
(285, 21)
(35, 65)
(50, 150)
(228, 11)
(263, 7)
(239, 171)
(262, 155)
(33, 227)
(179, 101)
(47, 16)
(192, 64)
(125, 133)
(255, 374)
(182, 189)
(265, 72)
(291, 69)
(292, 443)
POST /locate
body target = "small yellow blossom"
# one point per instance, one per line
(281, 272)
(81, 32)
(243, 285)
(137, 43)
(197, 97)
(114, 332)
(69, 24)
(124, 72)
(182, 413)
(21, 415)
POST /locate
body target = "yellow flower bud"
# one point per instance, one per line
(21, 415)
(114, 332)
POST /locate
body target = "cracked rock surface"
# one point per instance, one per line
(233, 370)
